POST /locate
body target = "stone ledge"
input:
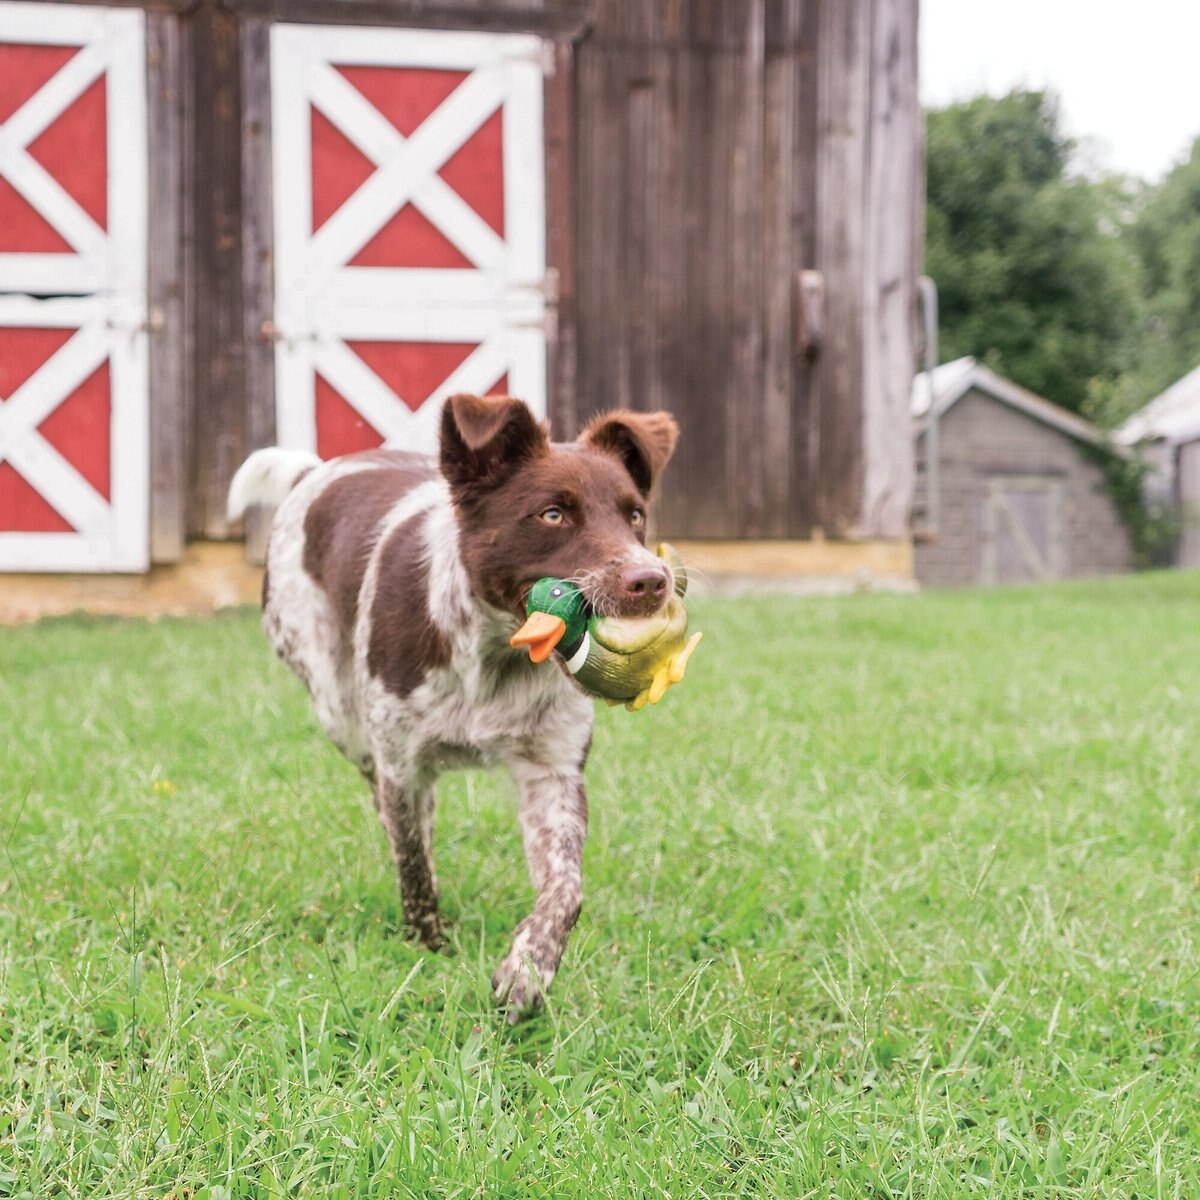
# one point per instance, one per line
(215, 575)
(817, 567)
(211, 576)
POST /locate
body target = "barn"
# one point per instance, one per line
(1009, 486)
(1167, 433)
(234, 223)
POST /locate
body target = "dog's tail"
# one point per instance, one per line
(266, 477)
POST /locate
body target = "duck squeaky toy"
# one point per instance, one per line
(630, 661)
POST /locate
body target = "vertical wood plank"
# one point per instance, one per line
(561, 347)
(258, 281)
(213, 181)
(781, 259)
(169, 340)
(744, 236)
(803, 495)
(891, 267)
(703, 403)
(601, 317)
(789, 195)
(843, 61)
(640, 183)
(668, 276)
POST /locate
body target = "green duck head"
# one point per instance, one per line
(558, 617)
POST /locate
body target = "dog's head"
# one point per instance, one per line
(530, 508)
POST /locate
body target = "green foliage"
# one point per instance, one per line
(895, 897)
(1166, 235)
(1153, 527)
(1086, 291)
(1034, 279)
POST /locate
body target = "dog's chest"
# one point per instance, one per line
(483, 710)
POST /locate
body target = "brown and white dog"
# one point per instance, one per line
(394, 582)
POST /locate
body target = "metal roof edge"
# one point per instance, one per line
(983, 379)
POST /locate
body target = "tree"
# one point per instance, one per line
(1166, 235)
(1033, 276)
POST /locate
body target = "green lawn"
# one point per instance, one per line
(894, 897)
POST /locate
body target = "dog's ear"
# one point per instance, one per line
(644, 442)
(484, 439)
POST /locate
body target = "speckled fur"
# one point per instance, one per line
(486, 705)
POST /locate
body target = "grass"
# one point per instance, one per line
(894, 898)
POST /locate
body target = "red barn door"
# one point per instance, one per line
(73, 394)
(409, 229)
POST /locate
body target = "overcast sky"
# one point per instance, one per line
(1127, 71)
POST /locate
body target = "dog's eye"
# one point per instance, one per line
(552, 516)
(637, 518)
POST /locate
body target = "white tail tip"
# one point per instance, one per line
(265, 478)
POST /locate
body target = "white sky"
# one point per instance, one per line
(1126, 71)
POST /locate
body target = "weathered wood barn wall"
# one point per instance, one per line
(731, 215)
(724, 150)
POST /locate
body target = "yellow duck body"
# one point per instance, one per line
(635, 661)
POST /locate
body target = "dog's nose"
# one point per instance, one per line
(644, 581)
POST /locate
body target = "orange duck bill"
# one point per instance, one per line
(541, 633)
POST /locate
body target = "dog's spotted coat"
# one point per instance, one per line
(393, 584)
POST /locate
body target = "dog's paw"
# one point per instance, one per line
(517, 988)
(429, 928)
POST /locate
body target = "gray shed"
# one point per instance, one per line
(1168, 432)
(1015, 495)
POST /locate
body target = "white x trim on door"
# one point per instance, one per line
(407, 170)
(102, 288)
(321, 301)
(111, 42)
(111, 534)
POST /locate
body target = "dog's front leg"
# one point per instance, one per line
(553, 816)
(406, 809)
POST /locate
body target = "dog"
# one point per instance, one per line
(393, 584)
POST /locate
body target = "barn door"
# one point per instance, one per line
(409, 229)
(73, 394)
(1021, 535)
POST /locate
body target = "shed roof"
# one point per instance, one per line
(1173, 416)
(953, 380)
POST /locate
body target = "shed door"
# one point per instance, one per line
(409, 229)
(1021, 529)
(73, 391)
